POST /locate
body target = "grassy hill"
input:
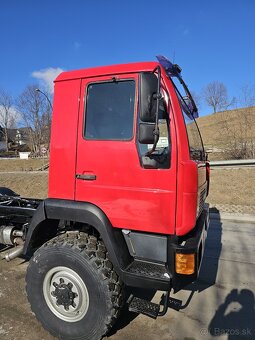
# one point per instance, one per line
(228, 130)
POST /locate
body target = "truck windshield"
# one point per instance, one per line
(188, 107)
(196, 147)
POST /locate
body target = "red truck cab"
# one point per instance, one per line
(96, 155)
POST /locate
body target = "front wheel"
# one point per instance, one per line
(72, 287)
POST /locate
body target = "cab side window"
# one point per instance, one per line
(110, 111)
(196, 148)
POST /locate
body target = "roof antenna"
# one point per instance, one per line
(173, 57)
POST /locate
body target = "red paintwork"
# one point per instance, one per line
(159, 201)
(63, 139)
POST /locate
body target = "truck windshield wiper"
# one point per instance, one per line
(174, 71)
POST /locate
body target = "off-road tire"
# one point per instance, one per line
(87, 256)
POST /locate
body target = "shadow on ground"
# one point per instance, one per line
(210, 263)
(239, 322)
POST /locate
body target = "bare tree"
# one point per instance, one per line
(237, 126)
(241, 136)
(7, 115)
(215, 95)
(197, 98)
(247, 96)
(32, 107)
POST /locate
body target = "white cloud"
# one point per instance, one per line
(47, 76)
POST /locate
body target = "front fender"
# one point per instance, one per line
(57, 209)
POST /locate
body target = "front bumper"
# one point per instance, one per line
(158, 270)
(192, 243)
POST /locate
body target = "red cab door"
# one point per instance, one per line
(109, 173)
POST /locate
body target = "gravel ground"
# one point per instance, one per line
(222, 302)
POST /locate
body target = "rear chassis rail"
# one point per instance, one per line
(17, 206)
(18, 202)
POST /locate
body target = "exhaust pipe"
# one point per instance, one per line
(16, 251)
(12, 254)
(10, 236)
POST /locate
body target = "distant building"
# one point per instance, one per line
(19, 136)
(17, 139)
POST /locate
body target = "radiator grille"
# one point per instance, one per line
(201, 202)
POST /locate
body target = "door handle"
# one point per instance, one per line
(86, 177)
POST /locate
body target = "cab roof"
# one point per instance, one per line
(107, 70)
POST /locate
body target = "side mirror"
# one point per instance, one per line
(146, 133)
(148, 97)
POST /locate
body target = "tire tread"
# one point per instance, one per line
(96, 253)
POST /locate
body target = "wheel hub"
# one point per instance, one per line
(64, 294)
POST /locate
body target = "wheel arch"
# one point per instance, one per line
(44, 226)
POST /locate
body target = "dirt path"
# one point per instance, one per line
(226, 281)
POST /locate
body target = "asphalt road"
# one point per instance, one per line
(219, 306)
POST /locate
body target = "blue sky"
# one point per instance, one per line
(210, 40)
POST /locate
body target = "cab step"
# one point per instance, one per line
(141, 306)
(149, 270)
(174, 303)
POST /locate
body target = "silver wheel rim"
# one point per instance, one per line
(75, 287)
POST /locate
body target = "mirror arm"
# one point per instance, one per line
(158, 97)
